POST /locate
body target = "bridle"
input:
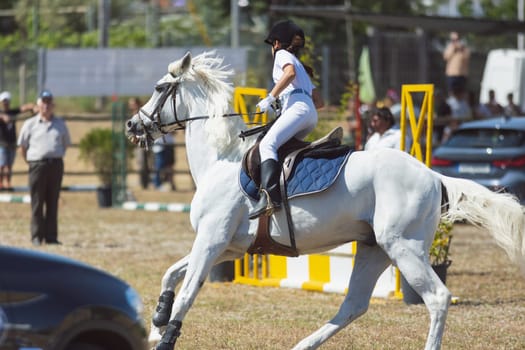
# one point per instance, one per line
(167, 90)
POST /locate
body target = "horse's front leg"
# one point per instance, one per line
(209, 247)
(172, 277)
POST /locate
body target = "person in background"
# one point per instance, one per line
(459, 105)
(461, 112)
(8, 117)
(143, 155)
(512, 109)
(493, 106)
(457, 58)
(169, 169)
(443, 114)
(479, 110)
(392, 102)
(43, 141)
(164, 160)
(449, 130)
(383, 136)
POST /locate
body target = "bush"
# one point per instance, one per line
(439, 251)
(96, 147)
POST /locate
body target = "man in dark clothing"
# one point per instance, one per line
(8, 137)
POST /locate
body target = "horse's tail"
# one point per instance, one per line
(500, 213)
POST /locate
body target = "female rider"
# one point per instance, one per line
(299, 100)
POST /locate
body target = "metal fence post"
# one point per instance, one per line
(119, 169)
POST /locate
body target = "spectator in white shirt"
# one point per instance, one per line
(383, 136)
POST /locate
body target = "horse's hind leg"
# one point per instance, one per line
(370, 262)
(422, 278)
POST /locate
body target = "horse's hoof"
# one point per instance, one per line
(165, 346)
(170, 336)
(163, 310)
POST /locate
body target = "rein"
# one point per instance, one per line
(170, 89)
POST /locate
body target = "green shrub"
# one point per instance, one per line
(439, 251)
(96, 147)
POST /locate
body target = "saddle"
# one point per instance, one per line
(289, 155)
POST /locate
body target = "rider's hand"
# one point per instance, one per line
(266, 103)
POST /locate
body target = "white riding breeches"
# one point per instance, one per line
(298, 119)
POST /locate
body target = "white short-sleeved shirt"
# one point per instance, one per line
(301, 80)
(390, 139)
(44, 139)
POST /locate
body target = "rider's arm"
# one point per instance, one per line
(287, 77)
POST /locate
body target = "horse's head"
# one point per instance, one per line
(195, 88)
(160, 114)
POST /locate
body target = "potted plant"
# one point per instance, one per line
(439, 256)
(96, 148)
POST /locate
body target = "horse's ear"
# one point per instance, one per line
(186, 62)
(181, 66)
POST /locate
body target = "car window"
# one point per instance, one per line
(482, 138)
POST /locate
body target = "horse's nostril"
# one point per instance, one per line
(129, 124)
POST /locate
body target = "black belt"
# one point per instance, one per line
(46, 161)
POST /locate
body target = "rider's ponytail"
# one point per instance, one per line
(294, 47)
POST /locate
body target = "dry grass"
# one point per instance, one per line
(139, 246)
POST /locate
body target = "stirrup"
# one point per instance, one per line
(271, 207)
(269, 204)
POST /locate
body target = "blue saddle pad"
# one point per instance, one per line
(310, 175)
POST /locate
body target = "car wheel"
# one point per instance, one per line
(83, 346)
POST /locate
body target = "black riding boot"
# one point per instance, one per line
(270, 194)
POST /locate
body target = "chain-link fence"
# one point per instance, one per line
(19, 74)
(396, 58)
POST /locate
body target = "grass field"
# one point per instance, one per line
(139, 246)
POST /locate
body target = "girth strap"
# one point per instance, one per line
(265, 244)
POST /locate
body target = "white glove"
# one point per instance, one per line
(266, 103)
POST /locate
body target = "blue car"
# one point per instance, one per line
(490, 152)
(50, 302)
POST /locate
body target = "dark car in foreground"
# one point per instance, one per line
(51, 302)
(490, 152)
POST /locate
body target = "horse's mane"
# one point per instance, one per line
(208, 82)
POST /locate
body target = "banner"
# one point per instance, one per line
(367, 93)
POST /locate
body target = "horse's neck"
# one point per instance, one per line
(200, 155)
(213, 139)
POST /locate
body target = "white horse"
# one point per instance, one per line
(385, 196)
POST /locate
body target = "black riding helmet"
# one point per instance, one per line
(284, 31)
